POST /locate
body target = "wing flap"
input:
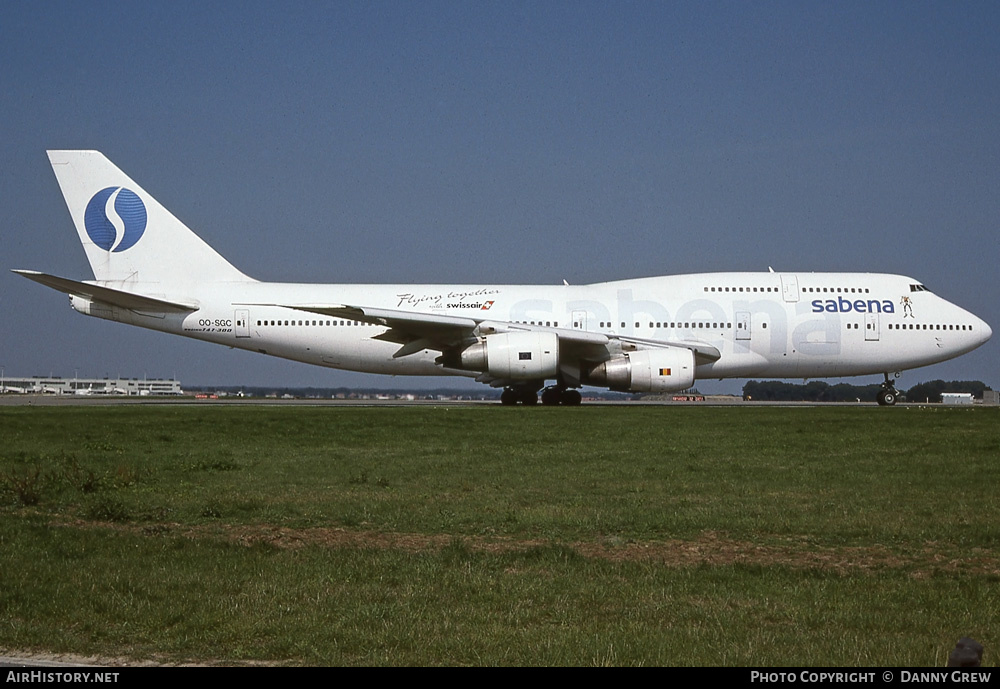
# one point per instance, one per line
(704, 353)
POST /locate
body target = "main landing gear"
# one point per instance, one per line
(560, 395)
(525, 396)
(550, 396)
(888, 395)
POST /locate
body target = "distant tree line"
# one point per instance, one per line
(931, 391)
(818, 391)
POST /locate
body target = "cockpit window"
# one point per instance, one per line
(918, 288)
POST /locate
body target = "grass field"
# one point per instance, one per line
(602, 535)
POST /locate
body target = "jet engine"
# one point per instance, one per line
(648, 370)
(514, 356)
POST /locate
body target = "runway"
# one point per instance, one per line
(118, 400)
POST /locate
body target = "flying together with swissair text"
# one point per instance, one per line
(657, 334)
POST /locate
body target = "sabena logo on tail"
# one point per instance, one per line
(115, 219)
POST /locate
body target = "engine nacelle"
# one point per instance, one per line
(515, 356)
(648, 370)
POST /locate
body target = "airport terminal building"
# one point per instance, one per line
(53, 385)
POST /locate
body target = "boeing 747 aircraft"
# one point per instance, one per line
(657, 334)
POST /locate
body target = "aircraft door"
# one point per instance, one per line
(871, 327)
(579, 320)
(742, 325)
(790, 288)
(241, 323)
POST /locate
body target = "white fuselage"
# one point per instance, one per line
(785, 325)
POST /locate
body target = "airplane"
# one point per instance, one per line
(648, 335)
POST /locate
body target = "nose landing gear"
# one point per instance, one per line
(888, 395)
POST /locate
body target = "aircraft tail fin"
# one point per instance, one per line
(127, 235)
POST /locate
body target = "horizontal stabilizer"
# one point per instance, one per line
(108, 295)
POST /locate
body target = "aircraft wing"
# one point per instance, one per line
(109, 295)
(416, 331)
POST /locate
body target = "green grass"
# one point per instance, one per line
(488, 535)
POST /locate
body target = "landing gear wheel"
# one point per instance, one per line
(887, 398)
(571, 398)
(551, 396)
(888, 395)
(557, 394)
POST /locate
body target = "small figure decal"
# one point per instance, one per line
(907, 307)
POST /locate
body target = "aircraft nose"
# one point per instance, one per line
(985, 331)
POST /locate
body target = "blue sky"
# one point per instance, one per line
(502, 142)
